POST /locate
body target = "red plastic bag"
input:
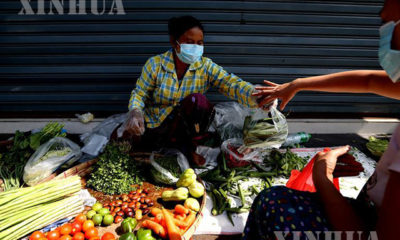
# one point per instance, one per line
(303, 181)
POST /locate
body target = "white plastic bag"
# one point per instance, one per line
(228, 120)
(163, 174)
(48, 157)
(265, 130)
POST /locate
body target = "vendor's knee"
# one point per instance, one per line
(196, 101)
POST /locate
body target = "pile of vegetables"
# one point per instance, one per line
(255, 131)
(115, 172)
(282, 164)
(377, 146)
(171, 224)
(170, 164)
(13, 160)
(187, 184)
(167, 223)
(135, 204)
(79, 229)
(26, 209)
(55, 153)
(244, 183)
(226, 183)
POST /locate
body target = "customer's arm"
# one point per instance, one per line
(357, 81)
(389, 212)
(340, 214)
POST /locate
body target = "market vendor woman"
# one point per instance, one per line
(168, 107)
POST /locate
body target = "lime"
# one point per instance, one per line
(108, 219)
(103, 211)
(97, 206)
(90, 214)
(97, 219)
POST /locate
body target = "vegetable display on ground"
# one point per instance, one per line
(377, 146)
(115, 172)
(13, 160)
(26, 209)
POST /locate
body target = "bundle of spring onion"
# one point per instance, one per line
(27, 209)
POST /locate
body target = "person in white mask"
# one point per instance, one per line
(378, 206)
(167, 108)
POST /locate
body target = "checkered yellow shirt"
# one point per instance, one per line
(158, 90)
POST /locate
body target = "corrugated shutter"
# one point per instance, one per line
(74, 63)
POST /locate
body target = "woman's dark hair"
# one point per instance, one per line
(177, 26)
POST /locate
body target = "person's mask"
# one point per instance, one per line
(389, 58)
(190, 53)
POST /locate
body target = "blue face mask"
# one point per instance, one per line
(389, 58)
(190, 53)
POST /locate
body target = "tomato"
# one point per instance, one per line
(53, 235)
(81, 218)
(108, 236)
(79, 236)
(91, 232)
(87, 224)
(66, 229)
(66, 237)
(76, 227)
(94, 238)
(43, 238)
(36, 235)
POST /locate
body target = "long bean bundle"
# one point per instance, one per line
(25, 210)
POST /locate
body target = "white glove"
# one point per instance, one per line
(134, 124)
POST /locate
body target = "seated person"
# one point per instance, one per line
(378, 206)
(167, 107)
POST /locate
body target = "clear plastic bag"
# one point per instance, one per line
(167, 165)
(48, 157)
(210, 155)
(264, 129)
(228, 120)
(237, 156)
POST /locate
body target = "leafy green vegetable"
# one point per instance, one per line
(116, 171)
(238, 182)
(247, 181)
(377, 146)
(282, 164)
(13, 160)
(55, 153)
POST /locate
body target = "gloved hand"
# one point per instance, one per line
(134, 124)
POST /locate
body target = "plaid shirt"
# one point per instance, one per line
(158, 90)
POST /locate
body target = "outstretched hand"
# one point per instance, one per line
(285, 92)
